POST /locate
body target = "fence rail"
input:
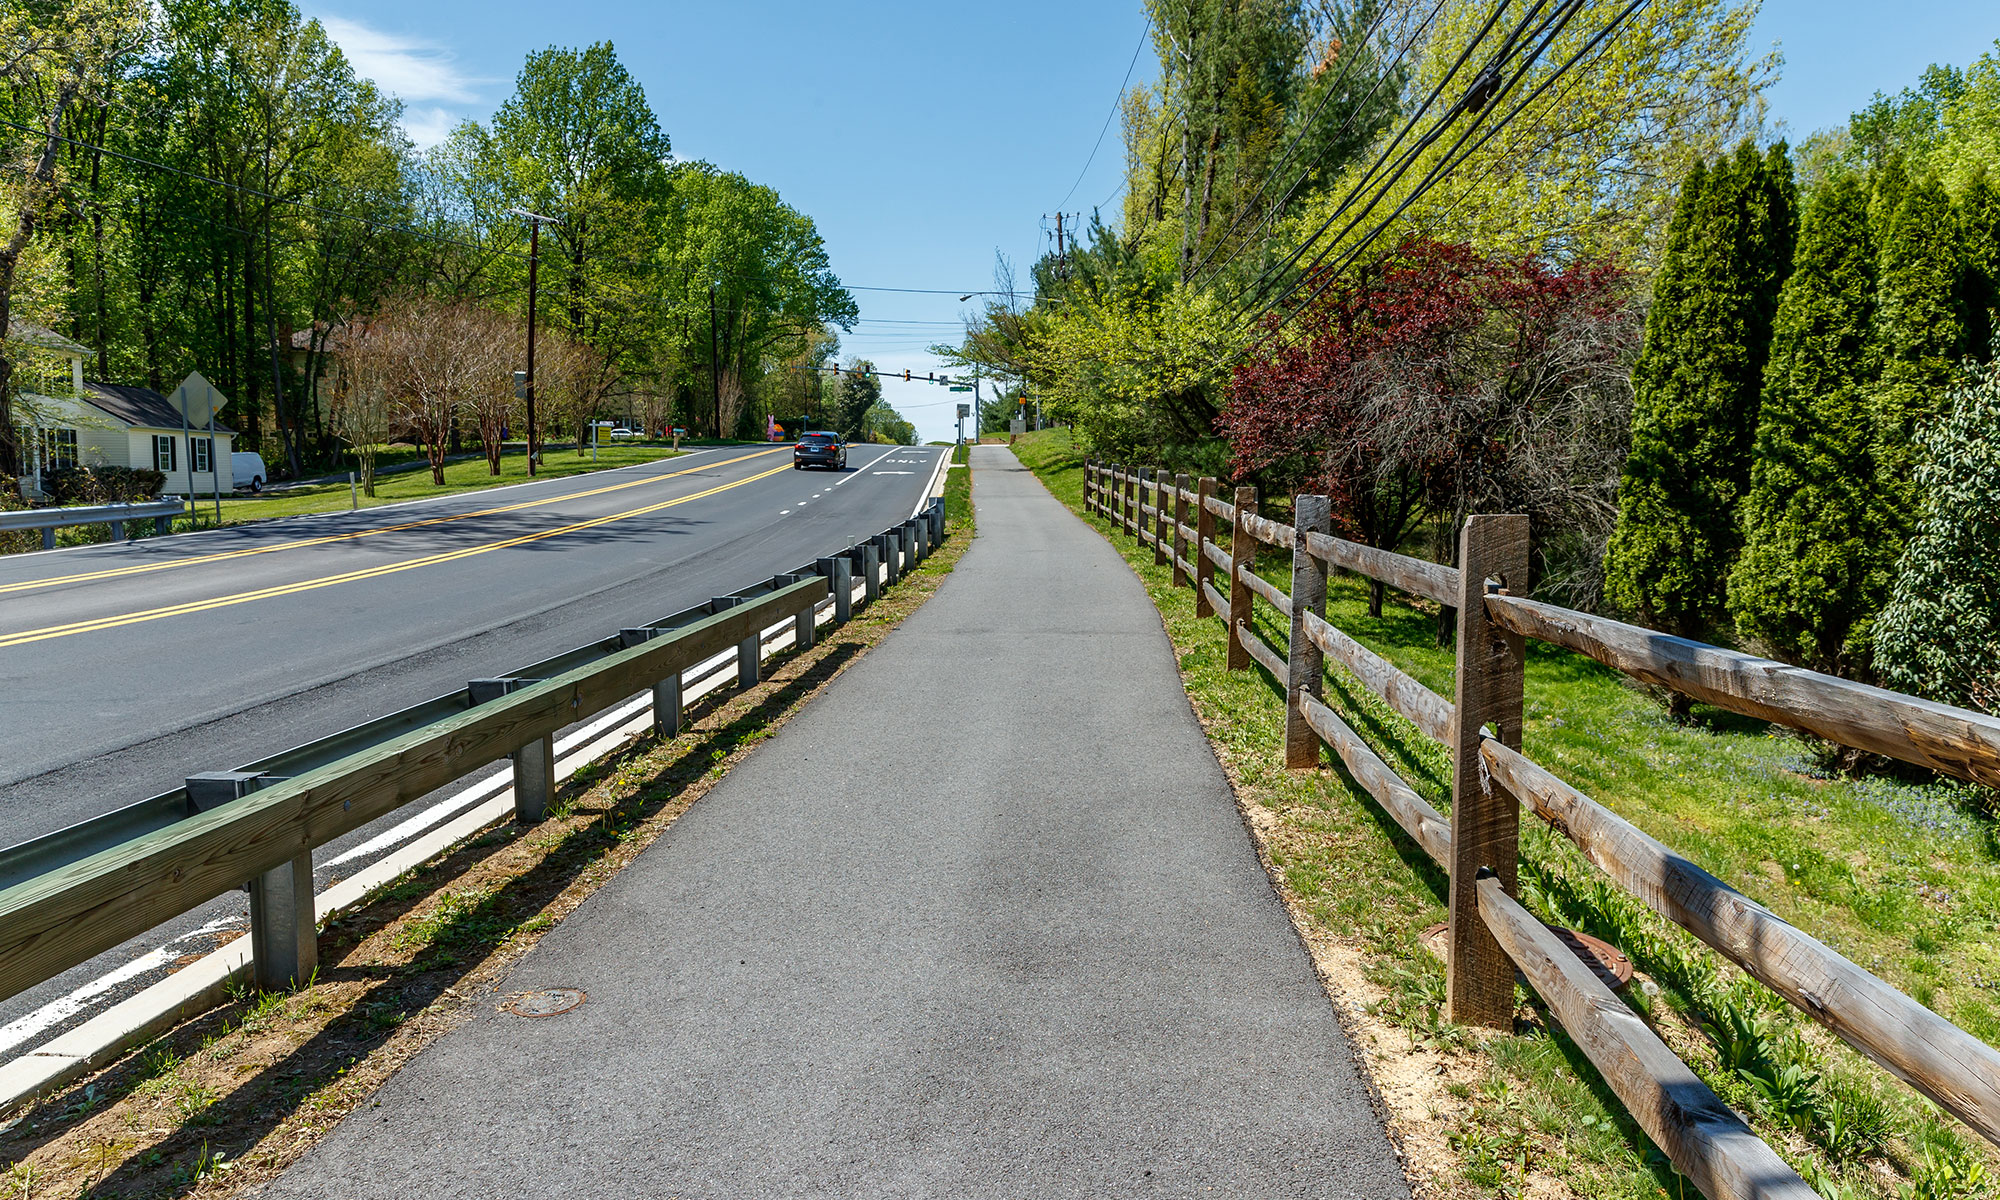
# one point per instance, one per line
(1490, 934)
(48, 520)
(80, 891)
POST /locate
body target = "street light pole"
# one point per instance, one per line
(714, 362)
(534, 260)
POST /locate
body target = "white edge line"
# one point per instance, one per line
(937, 480)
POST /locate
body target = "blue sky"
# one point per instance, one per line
(921, 138)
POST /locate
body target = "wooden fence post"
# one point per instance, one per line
(1118, 496)
(1139, 508)
(1180, 530)
(1162, 543)
(1242, 556)
(1204, 537)
(1089, 486)
(1132, 502)
(1485, 818)
(1305, 670)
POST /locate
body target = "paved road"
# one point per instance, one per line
(126, 668)
(981, 921)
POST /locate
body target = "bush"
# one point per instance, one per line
(11, 501)
(102, 485)
(1940, 634)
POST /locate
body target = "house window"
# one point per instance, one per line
(164, 460)
(58, 449)
(199, 455)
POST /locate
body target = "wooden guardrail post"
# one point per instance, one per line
(1162, 542)
(838, 570)
(749, 651)
(1305, 673)
(1180, 529)
(1204, 537)
(534, 763)
(1242, 557)
(1485, 818)
(284, 935)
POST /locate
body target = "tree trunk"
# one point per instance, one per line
(32, 198)
(1375, 597)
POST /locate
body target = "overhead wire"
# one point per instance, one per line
(1306, 127)
(1258, 291)
(1116, 103)
(1453, 157)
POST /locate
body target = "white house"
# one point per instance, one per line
(66, 422)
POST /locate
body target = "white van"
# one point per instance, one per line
(248, 470)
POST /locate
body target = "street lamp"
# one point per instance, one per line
(534, 260)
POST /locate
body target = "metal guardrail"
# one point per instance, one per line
(48, 520)
(74, 893)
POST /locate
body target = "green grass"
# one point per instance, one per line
(1899, 876)
(467, 476)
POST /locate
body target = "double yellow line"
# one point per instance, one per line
(288, 589)
(300, 543)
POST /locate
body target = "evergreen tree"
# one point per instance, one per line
(1940, 634)
(1919, 333)
(1979, 233)
(1817, 559)
(1696, 385)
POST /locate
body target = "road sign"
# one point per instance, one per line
(956, 387)
(964, 411)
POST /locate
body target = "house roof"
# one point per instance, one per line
(29, 333)
(137, 406)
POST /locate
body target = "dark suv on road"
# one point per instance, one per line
(819, 450)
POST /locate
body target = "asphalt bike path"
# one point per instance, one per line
(981, 920)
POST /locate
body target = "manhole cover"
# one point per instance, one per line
(1605, 960)
(547, 1002)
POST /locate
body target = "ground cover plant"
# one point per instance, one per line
(1902, 877)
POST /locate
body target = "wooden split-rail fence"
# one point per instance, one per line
(1490, 933)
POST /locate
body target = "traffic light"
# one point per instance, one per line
(906, 374)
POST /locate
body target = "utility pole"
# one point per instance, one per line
(714, 361)
(1062, 257)
(534, 260)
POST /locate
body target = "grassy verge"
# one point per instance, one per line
(1900, 877)
(230, 1099)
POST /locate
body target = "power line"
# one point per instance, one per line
(1116, 103)
(1246, 301)
(1361, 45)
(1437, 172)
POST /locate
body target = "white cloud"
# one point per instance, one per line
(429, 126)
(410, 69)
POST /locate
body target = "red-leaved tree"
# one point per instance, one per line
(1439, 381)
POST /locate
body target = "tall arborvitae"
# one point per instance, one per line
(1979, 233)
(1919, 333)
(1696, 385)
(1817, 559)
